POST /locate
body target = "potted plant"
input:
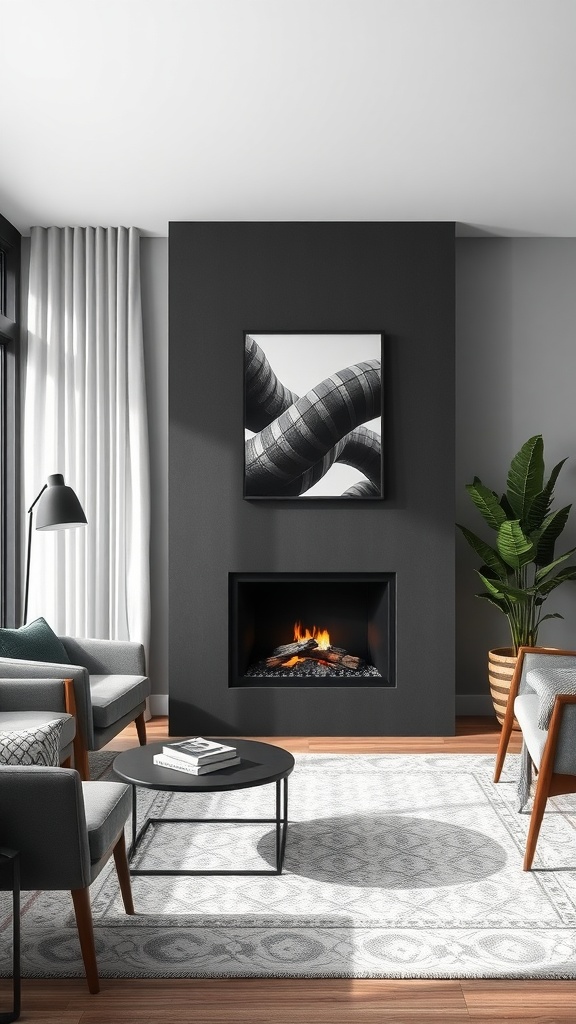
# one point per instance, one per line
(520, 572)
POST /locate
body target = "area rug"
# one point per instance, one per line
(397, 866)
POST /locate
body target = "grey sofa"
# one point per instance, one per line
(110, 688)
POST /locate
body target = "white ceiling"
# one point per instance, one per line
(139, 112)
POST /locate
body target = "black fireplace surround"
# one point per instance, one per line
(358, 610)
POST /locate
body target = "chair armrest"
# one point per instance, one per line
(42, 814)
(15, 668)
(106, 657)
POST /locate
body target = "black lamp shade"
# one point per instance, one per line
(58, 508)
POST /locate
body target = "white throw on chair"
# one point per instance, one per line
(543, 700)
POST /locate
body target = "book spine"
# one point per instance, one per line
(178, 765)
(200, 759)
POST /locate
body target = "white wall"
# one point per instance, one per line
(515, 377)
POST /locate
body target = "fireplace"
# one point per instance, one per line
(312, 629)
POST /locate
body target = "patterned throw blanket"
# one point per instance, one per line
(557, 680)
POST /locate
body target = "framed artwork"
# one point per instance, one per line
(313, 415)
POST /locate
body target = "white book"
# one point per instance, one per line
(197, 750)
(164, 761)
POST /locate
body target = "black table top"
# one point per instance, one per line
(261, 763)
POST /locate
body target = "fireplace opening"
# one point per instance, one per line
(310, 629)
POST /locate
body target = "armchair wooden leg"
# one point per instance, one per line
(141, 728)
(539, 806)
(503, 746)
(83, 911)
(123, 872)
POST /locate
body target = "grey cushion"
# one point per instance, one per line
(31, 694)
(527, 712)
(39, 745)
(34, 642)
(107, 806)
(114, 696)
(123, 657)
(17, 720)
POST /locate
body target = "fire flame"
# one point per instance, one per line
(321, 636)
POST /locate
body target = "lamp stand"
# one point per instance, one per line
(27, 584)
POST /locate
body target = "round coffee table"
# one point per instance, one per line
(261, 764)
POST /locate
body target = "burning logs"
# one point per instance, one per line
(310, 649)
(337, 657)
(289, 650)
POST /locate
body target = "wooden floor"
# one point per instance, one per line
(340, 1001)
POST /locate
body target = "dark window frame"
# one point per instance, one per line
(10, 337)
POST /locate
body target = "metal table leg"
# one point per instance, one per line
(280, 821)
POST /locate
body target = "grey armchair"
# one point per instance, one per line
(543, 700)
(29, 703)
(110, 688)
(64, 831)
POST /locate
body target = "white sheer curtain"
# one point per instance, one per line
(85, 417)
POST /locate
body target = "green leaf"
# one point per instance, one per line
(505, 504)
(516, 594)
(548, 535)
(487, 503)
(499, 603)
(515, 548)
(568, 573)
(488, 554)
(551, 615)
(505, 590)
(526, 475)
(540, 507)
(544, 572)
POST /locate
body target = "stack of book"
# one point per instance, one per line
(197, 756)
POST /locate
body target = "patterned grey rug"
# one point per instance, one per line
(397, 866)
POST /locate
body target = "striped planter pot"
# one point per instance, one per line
(501, 665)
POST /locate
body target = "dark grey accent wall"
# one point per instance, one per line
(228, 278)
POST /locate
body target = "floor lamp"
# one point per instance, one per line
(58, 509)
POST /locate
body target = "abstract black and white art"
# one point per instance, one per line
(313, 415)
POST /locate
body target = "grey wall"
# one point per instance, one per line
(227, 278)
(515, 377)
(515, 373)
(154, 272)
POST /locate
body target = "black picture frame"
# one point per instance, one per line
(313, 416)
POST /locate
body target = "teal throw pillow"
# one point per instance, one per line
(34, 642)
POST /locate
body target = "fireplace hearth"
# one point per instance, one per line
(310, 629)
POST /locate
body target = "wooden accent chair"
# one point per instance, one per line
(544, 679)
(110, 688)
(64, 831)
